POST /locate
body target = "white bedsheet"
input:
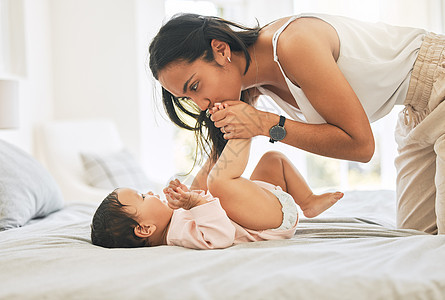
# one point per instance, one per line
(334, 256)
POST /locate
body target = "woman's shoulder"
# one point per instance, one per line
(273, 26)
(300, 28)
(308, 33)
(300, 24)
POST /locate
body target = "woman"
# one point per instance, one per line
(333, 76)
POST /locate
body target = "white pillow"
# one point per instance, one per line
(27, 189)
(113, 170)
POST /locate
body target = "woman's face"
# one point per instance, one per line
(205, 83)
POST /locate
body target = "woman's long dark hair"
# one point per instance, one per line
(188, 37)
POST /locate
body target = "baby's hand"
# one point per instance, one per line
(174, 184)
(218, 106)
(182, 199)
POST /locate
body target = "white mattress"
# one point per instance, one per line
(350, 252)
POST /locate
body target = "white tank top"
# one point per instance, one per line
(376, 58)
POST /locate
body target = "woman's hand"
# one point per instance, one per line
(238, 120)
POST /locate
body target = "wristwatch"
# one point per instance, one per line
(277, 132)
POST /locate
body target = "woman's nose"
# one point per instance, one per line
(203, 103)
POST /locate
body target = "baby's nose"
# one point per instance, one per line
(153, 194)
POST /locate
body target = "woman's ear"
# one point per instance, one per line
(144, 231)
(221, 51)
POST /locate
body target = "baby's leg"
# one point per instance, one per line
(245, 202)
(275, 168)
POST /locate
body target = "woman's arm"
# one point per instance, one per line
(325, 139)
(347, 133)
(322, 139)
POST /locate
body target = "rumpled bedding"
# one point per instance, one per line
(352, 251)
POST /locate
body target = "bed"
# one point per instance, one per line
(352, 251)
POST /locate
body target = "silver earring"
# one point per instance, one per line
(228, 58)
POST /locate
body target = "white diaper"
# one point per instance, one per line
(289, 209)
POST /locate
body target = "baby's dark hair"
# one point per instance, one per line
(113, 227)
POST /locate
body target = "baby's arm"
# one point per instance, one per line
(206, 225)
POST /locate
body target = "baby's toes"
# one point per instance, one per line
(338, 195)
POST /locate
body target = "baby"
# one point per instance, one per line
(233, 210)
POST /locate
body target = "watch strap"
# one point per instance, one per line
(281, 122)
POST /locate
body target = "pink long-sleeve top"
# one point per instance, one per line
(207, 226)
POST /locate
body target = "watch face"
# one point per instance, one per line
(277, 133)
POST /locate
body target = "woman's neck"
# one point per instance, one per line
(262, 69)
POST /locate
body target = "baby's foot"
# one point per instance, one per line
(316, 204)
(217, 106)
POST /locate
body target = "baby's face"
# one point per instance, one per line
(145, 207)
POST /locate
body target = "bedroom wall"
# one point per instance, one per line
(94, 63)
(35, 80)
(100, 50)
